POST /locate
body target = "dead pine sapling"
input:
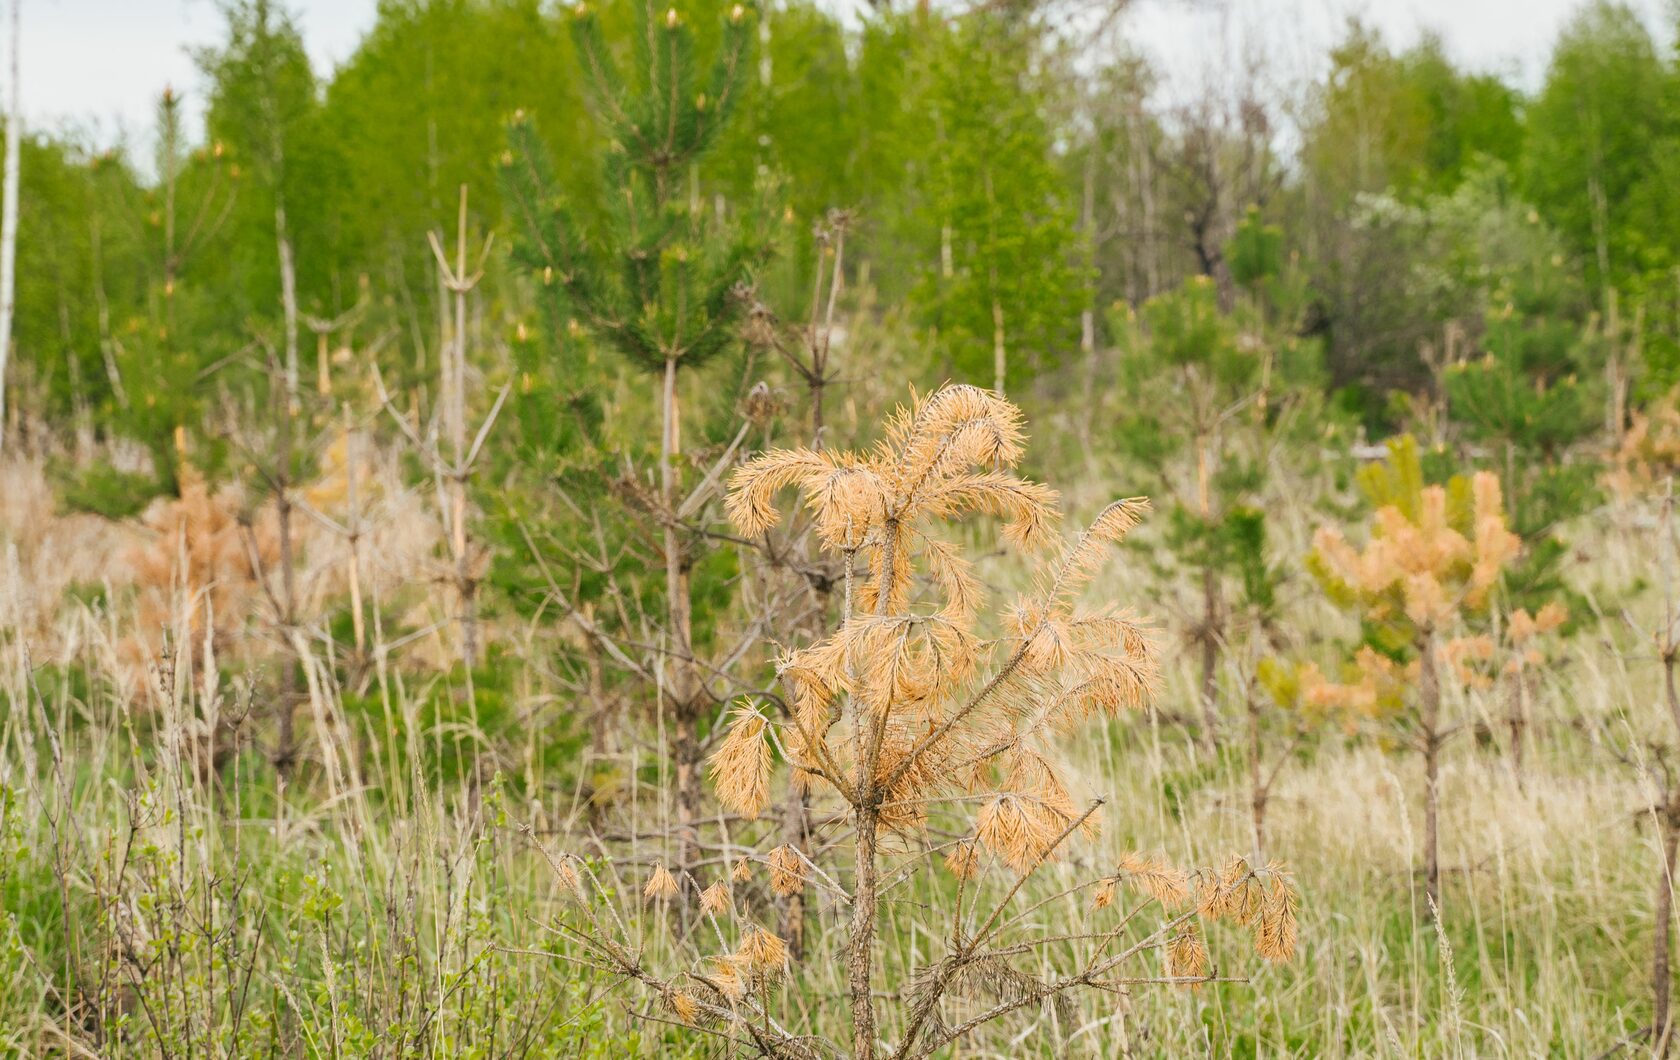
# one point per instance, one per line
(449, 453)
(912, 725)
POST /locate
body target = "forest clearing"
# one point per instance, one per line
(756, 529)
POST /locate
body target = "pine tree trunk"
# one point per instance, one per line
(353, 564)
(1429, 695)
(1257, 784)
(1210, 632)
(1000, 350)
(860, 941)
(285, 752)
(453, 356)
(288, 303)
(682, 685)
(1669, 820)
(1088, 315)
(1210, 658)
(1661, 1031)
(685, 751)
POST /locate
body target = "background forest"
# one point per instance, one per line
(540, 541)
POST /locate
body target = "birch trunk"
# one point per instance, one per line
(9, 217)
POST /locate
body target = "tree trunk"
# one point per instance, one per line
(860, 940)
(1088, 315)
(1517, 721)
(9, 219)
(682, 684)
(288, 304)
(353, 507)
(1210, 658)
(286, 752)
(1429, 695)
(1211, 631)
(1661, 1031)
(453, 356)
(1257, 784)
(1000, 350)
(685, 751)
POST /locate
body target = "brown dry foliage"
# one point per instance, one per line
(1421, 564)
(740, 768)
(1649, 451)
(935, 709)
(916, 704)
(787, 871)
(201, 570)
(661, 886)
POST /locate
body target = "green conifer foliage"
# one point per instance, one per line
(1530, 406)
(1208, 387)
(657, 283)
(660, 280)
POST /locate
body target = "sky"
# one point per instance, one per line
(97, 66)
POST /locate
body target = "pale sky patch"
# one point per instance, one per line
(96, 67)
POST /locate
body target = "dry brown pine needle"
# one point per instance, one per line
(787, 871)
(740, 767)
(714, 899)
(661, 885)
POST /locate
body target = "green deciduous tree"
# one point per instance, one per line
(999, 278)
(1592, 132)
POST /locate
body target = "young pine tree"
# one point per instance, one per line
(658, 281)
(1208, 396)
(262, 103)
(1529, 402)
(916, 725)
(1434, 555)
(195, 194)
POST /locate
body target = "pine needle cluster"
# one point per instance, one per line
(200, 573)
(1649, 450)
(906, 703)
(659, 282)
(1433, 549)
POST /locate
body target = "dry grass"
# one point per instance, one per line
(379, 904)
